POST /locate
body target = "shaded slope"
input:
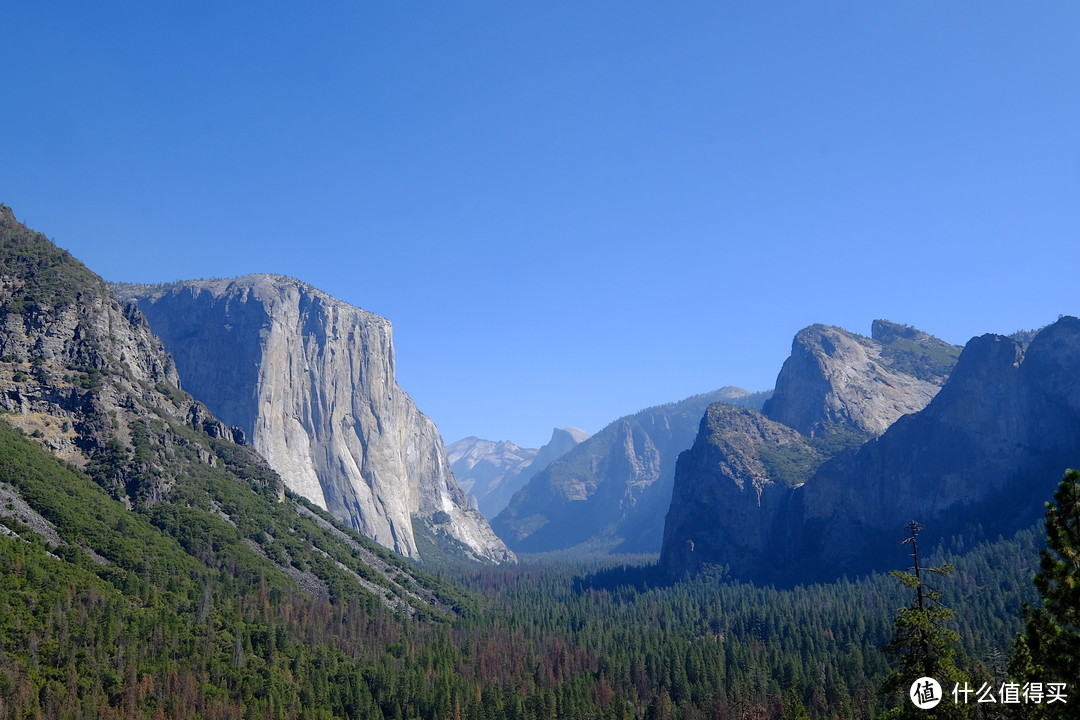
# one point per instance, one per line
(611, 491)
(976, 462)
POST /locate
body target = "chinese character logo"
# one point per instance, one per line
(925, 693)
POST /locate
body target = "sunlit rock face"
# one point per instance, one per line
(835, 378)
(310, 380)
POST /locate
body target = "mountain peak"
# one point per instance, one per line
(836, 379)
(571, 434)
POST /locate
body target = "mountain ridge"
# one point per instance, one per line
(974, 462)
(610, 492)
(492, 471)
(84, 378)
(835, 379)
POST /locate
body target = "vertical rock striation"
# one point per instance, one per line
(310, 380)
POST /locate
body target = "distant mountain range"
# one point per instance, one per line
(806, 482)
(492, 471)
(610, 493)
(819, 477)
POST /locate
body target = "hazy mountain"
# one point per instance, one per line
(611, 491)
(486, 468)
(492, 471)
(976, 462)
(310, 380)
(562, 441)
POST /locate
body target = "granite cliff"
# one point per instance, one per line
(835, 380)
(492, 471)
(979, 461)
(975, 462)
(610, 492)
(310, 380)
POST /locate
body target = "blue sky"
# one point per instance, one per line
(569, 210)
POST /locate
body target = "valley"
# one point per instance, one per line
(217, 502)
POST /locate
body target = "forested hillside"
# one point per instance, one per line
(174, 616)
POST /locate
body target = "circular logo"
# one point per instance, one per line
(925, 693)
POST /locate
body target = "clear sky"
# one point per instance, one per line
(569, 210)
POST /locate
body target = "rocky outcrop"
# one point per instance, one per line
(979, 461)
(85, 377)
(837, 380)
(310, 380)
(976, 462)
(491, 472)
(725, 497)
(611, 491)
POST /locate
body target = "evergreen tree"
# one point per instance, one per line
(1050, 649)
(922, 643)
(1054, 629)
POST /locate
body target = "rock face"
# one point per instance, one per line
(977, 461)
(835, 379)
(611, 491)
(86, 378)
(310, 380)
(988, 451)
(723, 490)
(493, 471)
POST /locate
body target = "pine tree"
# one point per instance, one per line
(922, 642)
(1049, 651)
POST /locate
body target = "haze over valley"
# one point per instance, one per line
(489, 361)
